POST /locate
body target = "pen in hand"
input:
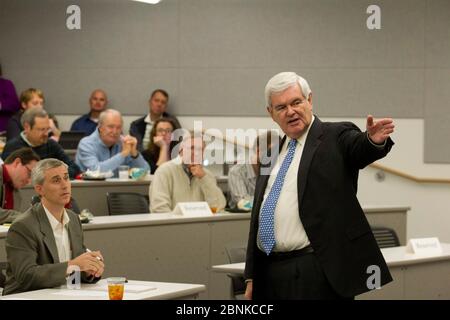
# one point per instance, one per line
(98, 258)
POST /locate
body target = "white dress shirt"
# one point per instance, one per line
(290, 234)
(148, 128)
(61, 235)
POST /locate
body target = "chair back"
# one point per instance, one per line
(126, 203)
(386, 237)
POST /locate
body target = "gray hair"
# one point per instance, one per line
(282, 81)
(31, 114)
(38, 172)
(106, 113)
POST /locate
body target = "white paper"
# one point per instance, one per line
(129, 287)
(81, 293)
(136, 288)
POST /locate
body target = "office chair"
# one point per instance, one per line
(386, 237)
(126, 203)
(235, 255)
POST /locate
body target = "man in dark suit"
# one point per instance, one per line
(309, 237)
(140, 128)
(45, 244)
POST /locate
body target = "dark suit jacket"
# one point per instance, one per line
(137, 128)
(32, 255)
(333, 219)
(14, 127)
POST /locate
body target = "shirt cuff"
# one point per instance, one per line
(379, 146)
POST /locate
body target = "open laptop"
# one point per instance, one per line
(69, 139)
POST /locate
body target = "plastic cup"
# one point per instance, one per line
(116, 288)
(124, 172)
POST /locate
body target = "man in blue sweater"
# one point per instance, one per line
(106, 149)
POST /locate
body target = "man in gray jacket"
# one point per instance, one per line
(15, 174)
(45, 244)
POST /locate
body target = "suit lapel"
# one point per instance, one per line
(312, 143)
(74, 238)
(46, 229)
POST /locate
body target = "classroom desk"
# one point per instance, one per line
(415, 276)
(92, 194)
(170, 248)
(99, 291)
(164, 247)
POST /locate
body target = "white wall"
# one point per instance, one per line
(430, 203)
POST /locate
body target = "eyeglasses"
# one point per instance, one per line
(164, 130)
(28, 170)
(281, 108)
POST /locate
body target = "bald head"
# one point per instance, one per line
(98, 101)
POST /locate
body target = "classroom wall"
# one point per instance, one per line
(215, 56)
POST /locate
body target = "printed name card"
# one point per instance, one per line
(191, 209)
(424, 246)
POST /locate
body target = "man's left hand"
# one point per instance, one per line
(379, 130)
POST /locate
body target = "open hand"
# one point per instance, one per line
(379, 130)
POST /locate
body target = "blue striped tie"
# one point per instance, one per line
(266, 218)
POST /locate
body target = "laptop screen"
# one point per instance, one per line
(69, 139)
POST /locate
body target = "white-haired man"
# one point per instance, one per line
(309, 237)
(106, 149)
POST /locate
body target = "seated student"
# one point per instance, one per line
(88, 122)
(15, 174)
(242, 177)
(9, 102)
(45, 244)
(160, 145)
(184, 179)
(140, 128)
(30, 98)
(36, 126)
(106, 149)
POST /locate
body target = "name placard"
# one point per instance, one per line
(424, 246)
(190, 209)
